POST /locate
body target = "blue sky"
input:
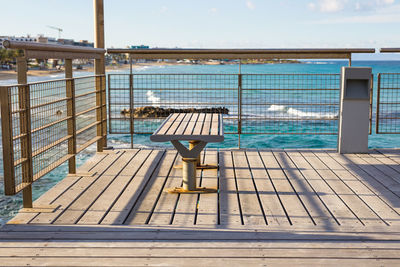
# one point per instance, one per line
(214, 23)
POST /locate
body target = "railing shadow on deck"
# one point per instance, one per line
(138, 196)
(386, 187)
(288, 168)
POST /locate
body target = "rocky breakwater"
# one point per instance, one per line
(157, 112)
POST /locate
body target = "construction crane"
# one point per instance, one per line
(58, 29)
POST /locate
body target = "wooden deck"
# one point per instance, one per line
(273, 207)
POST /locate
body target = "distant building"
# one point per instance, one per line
(84, 43)
(13, 38)
(46, 40)
(140, 47)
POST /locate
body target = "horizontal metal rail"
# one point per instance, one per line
(240, 53)
(390, 50)
(39, 50)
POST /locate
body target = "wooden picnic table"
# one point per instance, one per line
(197, 128)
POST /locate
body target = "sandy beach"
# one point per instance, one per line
(12, 74)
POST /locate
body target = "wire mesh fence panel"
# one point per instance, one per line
(155, 96)
(48, 124)
(290, 103)
(388, 104)
(85, 110)
(14, 135)
(38, 126)
(119, 103)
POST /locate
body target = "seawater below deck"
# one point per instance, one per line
(273, 206)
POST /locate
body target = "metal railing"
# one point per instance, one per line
(44, 124)
(252, 103)
(388, 104)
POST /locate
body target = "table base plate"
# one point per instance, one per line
(199, 190)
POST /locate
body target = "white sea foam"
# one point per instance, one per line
(143, 68)
(151, 97)
(317, 115)
(277, 108)
(292, 113)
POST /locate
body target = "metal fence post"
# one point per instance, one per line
(239, 107)
(371, 100)
(131, 114)
(378, 101)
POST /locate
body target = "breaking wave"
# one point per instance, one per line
(292, 112)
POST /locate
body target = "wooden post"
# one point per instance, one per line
(100, 67)
(25, 128)
(99, 114)
(8, 144)
(71, 123)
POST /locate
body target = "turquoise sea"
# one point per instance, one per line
(10, 205)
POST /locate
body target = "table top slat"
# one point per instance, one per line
(215, 125)
(192, 124)
(207, 124)
(175, 124)
(205, 127)
(167, 124)
(185, 121)
(199, 124)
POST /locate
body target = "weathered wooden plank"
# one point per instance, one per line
(352, 200)
(66, 199)
(387, 161)
(252, 212)
(193, 252)
(228, 244)
(131, 261)
(335, 204)
(141, 212)
(166, 203)
(296, 212)
(207, 208)
(310, 199)
(78, 208)
(386, 169)
(229, 204)
(383, 186)
(273, 210)
(105, 201)
(72, 232)
(122, 208)
(373, 198)
(49, 196)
